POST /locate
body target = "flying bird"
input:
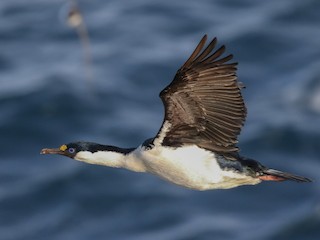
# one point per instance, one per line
(196, 146)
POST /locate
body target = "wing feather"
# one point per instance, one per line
(203, 103)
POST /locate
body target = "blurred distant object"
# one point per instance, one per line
(72, 16)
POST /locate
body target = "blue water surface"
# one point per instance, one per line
(46, 99)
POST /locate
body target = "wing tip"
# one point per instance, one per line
(204, 38)
(195, 52)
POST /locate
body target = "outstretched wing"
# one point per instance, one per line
(203, 103)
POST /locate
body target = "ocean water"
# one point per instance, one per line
(46, 99)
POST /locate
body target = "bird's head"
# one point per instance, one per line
(93, 153)
(69, 150)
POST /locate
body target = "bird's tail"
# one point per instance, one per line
(275, 175)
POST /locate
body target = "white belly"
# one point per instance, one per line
(191, 167)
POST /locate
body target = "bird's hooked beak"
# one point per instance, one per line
(61, 150)
(52, 151)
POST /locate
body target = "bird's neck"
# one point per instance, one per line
(106, 158)
(112, 157)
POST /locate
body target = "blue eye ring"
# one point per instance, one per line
(71, 150)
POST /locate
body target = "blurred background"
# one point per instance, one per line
(49, 96)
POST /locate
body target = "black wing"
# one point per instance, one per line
(203, 103)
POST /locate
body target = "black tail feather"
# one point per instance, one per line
(285, 175)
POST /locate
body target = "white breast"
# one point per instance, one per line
(189, 166)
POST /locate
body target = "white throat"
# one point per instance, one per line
(112, 159)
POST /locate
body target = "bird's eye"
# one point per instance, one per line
(71, 150)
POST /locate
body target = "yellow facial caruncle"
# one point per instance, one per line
(63, 147)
